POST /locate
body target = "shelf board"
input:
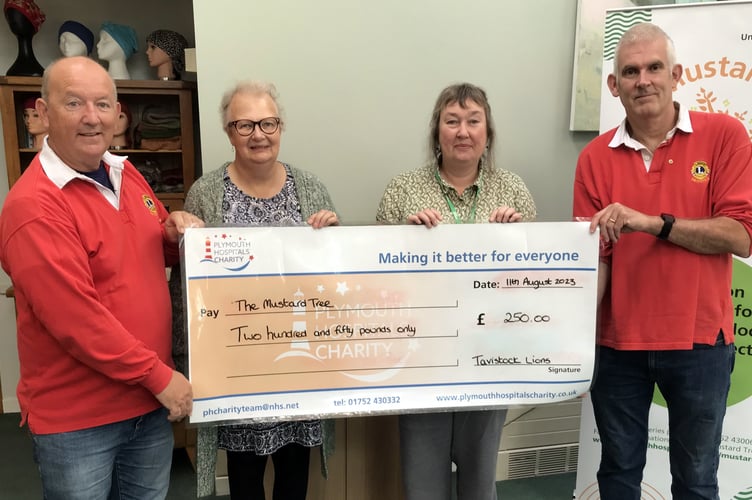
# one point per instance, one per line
(121, 151)
(132, 84)
(140, 151)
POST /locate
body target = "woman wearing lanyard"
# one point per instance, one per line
(459, 185)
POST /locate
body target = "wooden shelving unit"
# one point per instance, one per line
(139, 95)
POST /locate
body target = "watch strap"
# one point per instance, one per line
(668, 224)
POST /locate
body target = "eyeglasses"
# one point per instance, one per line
(246, 127)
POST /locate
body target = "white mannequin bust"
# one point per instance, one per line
(109, 50)
(71, 45)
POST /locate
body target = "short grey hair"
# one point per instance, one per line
(253, 87)
(644, 32)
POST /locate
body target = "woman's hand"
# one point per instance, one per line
(428, 217)
(323, 218)
(505, 214)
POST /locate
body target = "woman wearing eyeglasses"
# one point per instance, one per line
(255, 188)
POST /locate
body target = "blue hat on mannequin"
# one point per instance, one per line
(124, 35)
(80, 31)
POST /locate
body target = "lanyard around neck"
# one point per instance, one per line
(452, 208)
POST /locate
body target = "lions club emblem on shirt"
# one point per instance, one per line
(149, 203)
(700, 171)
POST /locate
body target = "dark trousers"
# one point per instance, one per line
(245, 472)
(695, 384)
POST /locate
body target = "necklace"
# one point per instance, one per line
(452, 208)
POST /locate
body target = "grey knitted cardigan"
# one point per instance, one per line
(204, 200)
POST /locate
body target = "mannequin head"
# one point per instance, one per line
(23, 16)
(24, 19)
(75, 39)
(117, 43)
(124, 36)
(108, 49)
(121, 139)
(34, 124)
(166, 52)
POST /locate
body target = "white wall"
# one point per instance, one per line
(358, 80)
(144, 16)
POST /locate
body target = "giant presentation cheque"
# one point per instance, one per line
(294, 322)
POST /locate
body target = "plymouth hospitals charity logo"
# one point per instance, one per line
(230, 251)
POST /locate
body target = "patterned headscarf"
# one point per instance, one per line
(80, 31)
(29, 9)
(124, 35)
(174, 45)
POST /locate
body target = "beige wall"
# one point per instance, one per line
(358, 80)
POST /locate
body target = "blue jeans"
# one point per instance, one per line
(123, 460)
(695, 384)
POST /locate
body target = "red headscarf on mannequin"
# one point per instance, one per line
(29, 9)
